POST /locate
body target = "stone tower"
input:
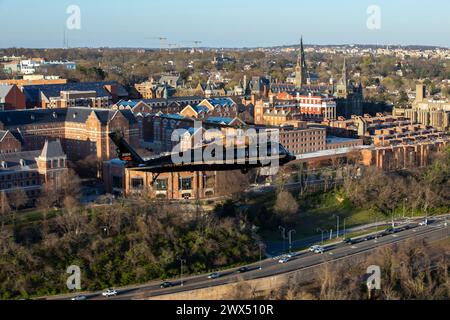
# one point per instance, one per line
(420, 92)
(301, 68)
(342, 86)
(52, 164)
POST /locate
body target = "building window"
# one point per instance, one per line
(162, 184)
(137, 183)
(117, 182)
(185, 184)
(210, 181)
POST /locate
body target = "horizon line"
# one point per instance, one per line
(236, 47)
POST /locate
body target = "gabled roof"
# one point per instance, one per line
(171, 116)
(3, 134)
(33, 92)
(225, 120)
(13, 161)
(220, 120)
(52, 149)
(224, 102)
(76, 114)
(4, 90)
(128, 103)
(199, 108)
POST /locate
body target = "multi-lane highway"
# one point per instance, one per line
(304, 261)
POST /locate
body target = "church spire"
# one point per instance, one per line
(301, 68)
(344, 72)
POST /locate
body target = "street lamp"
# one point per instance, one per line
(404, 207)
(446, 224)
(290, 239)
(392, 217)
(337, 225)
(283, 236)
(322, 231)
(181, 267)
(345, 230)
(260, 255)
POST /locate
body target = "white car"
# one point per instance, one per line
(79, 298)
(319, 250)
(109, 293)
(285, 259)
(313, 248)
(423, 223)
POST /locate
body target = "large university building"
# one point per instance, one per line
(80, 94)
(303, 100)
(31, 171)
(434, 113)
(82, 131)
(396, 142)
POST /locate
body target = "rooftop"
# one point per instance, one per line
(52, 149)
(75, 114)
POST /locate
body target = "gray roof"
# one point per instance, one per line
(52, 149)
(3, 134)
(17, 118)
(4, 90)
(33, 92)
(12, 161)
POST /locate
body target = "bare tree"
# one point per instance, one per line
(286, 206)
(48, 197)
(88, 167)
(5, 208)
(71, 185)
(18, 198)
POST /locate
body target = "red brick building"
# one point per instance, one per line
(9, 143)
(82, 131)
(183, 185)
(30, 171)
(11, 98)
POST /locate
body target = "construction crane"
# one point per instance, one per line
(196, 43)
(173, 45)
(162, 41)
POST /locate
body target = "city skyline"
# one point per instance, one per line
(220, 25)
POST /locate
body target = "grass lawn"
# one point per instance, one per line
(320, 212)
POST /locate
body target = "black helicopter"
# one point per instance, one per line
(242, 158)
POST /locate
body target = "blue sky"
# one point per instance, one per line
(231, 23)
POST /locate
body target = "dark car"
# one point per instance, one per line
(349, 241)
(166, 284)
(368, 238)
(243, 270)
